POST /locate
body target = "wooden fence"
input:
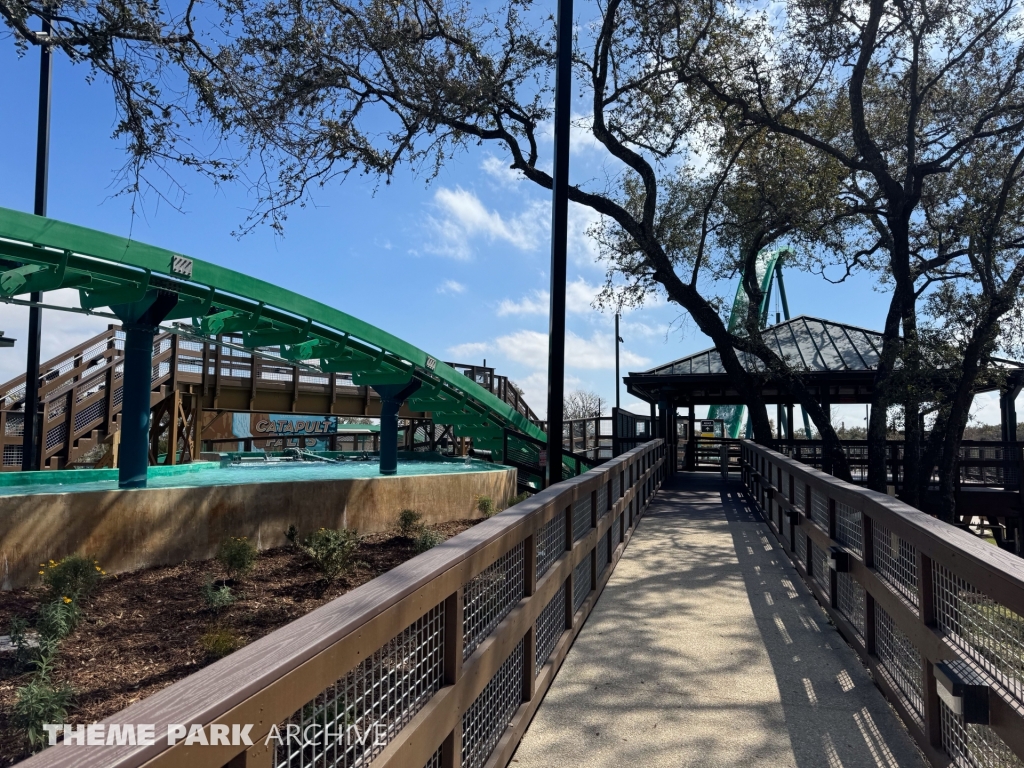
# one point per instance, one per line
(444, 659)
(936, 613)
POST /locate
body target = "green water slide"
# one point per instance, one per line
(768, 271)
(41, 254)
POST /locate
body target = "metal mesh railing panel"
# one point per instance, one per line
(550, 543)
(988, 632)
(616, 488)
(819, 510)
(900, 660)
(12, 455)
(849, 527)
(550, 626)
(435, 760)
(798, 495)
(56, 435)
(850, 597)
(489, 597)
(895, 560)
(580, 583)
(489, 716)
(581, 517)
(351, 721)
(820, 567)
(602, 551)
(801, 546)
(602, 498)
(89, 414)
(973, 746)
(15, 424)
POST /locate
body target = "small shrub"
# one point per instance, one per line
(76, 576)
(428, 540)
(217, 598)
(410, 523)
(518, 498)
(218, 643)
(485, 504)
(58, 619)
(38, 703)
(18, 631)
(292, 534)
(238, 556)
(331, 551)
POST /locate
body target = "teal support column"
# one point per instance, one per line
(135, 406)
(391, 398)
(140, 320)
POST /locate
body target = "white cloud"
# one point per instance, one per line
(463, 218)
(61, 331)
(462, 353)
(450, 286)
(579, 296)
(499, 170)
(530, 348)
(535, 390)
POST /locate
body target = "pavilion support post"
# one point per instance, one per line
(778, 420)
(825, 399)
(789, 422)
(391, 398)
(691, 440)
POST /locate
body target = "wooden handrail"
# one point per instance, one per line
(925, 546)
(274, 677)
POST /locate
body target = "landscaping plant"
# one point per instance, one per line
(75, 577)
(219, 642)
(216, 598)
(40, 702)
(331, 551)
(410, 523)
(428, 540)
(58, 618)
(485, 504)
(238, 556)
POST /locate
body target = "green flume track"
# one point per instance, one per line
(41, 254)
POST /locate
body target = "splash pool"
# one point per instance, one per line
(207, 474)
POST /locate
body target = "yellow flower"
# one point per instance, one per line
(99, 569)
(66, 599)
(41, 573)
(103, 572)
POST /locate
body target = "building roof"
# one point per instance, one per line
(806, 343)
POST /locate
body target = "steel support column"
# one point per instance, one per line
(391, 398)
(135, 406)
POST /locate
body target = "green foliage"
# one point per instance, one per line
(331, 551)
(428, 540)
(220, 642)
(518, 498)
(17, 629)
(238, 556)
(292, 534)
(485, 504)
(58, 618)
(75, 577)
(410, 523)
(37, 703)
(217, 598)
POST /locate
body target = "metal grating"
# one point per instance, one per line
(435, 760)
(616, 489)
(798, 493)
(490, 596)
(489, 716)
(550, 626)
(581, 517)
(56, 435)
(850, 527)
(602, 499)
(580, 583)
(89, 414)
(602, 551)
(900, 660)
(12, 455)
(973, 746)
(15, 424)
(820, 566)
(801, 546)
(550, 543)
(819, 511)
(352, 721)
(850, 599)
(895, 560)
(118, 396)
(988, 632)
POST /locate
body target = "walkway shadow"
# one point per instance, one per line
(705, 650)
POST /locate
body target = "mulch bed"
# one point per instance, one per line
(142, 631)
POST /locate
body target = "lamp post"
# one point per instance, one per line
(30, 441)
(559, 229)
(618, 380)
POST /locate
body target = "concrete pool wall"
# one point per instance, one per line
(133, 529)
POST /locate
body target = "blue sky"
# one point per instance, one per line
(458, 267)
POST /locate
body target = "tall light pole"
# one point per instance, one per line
(30, 441)
(559, 230)
(618, 340)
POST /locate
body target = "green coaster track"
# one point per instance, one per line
(42, 254)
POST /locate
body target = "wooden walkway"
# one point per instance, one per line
(705, 649)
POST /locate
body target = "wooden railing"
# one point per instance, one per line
(445, 658)
(936, 613)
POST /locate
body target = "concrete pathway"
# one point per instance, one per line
(705, 649)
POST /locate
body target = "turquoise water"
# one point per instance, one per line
(257, 472)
